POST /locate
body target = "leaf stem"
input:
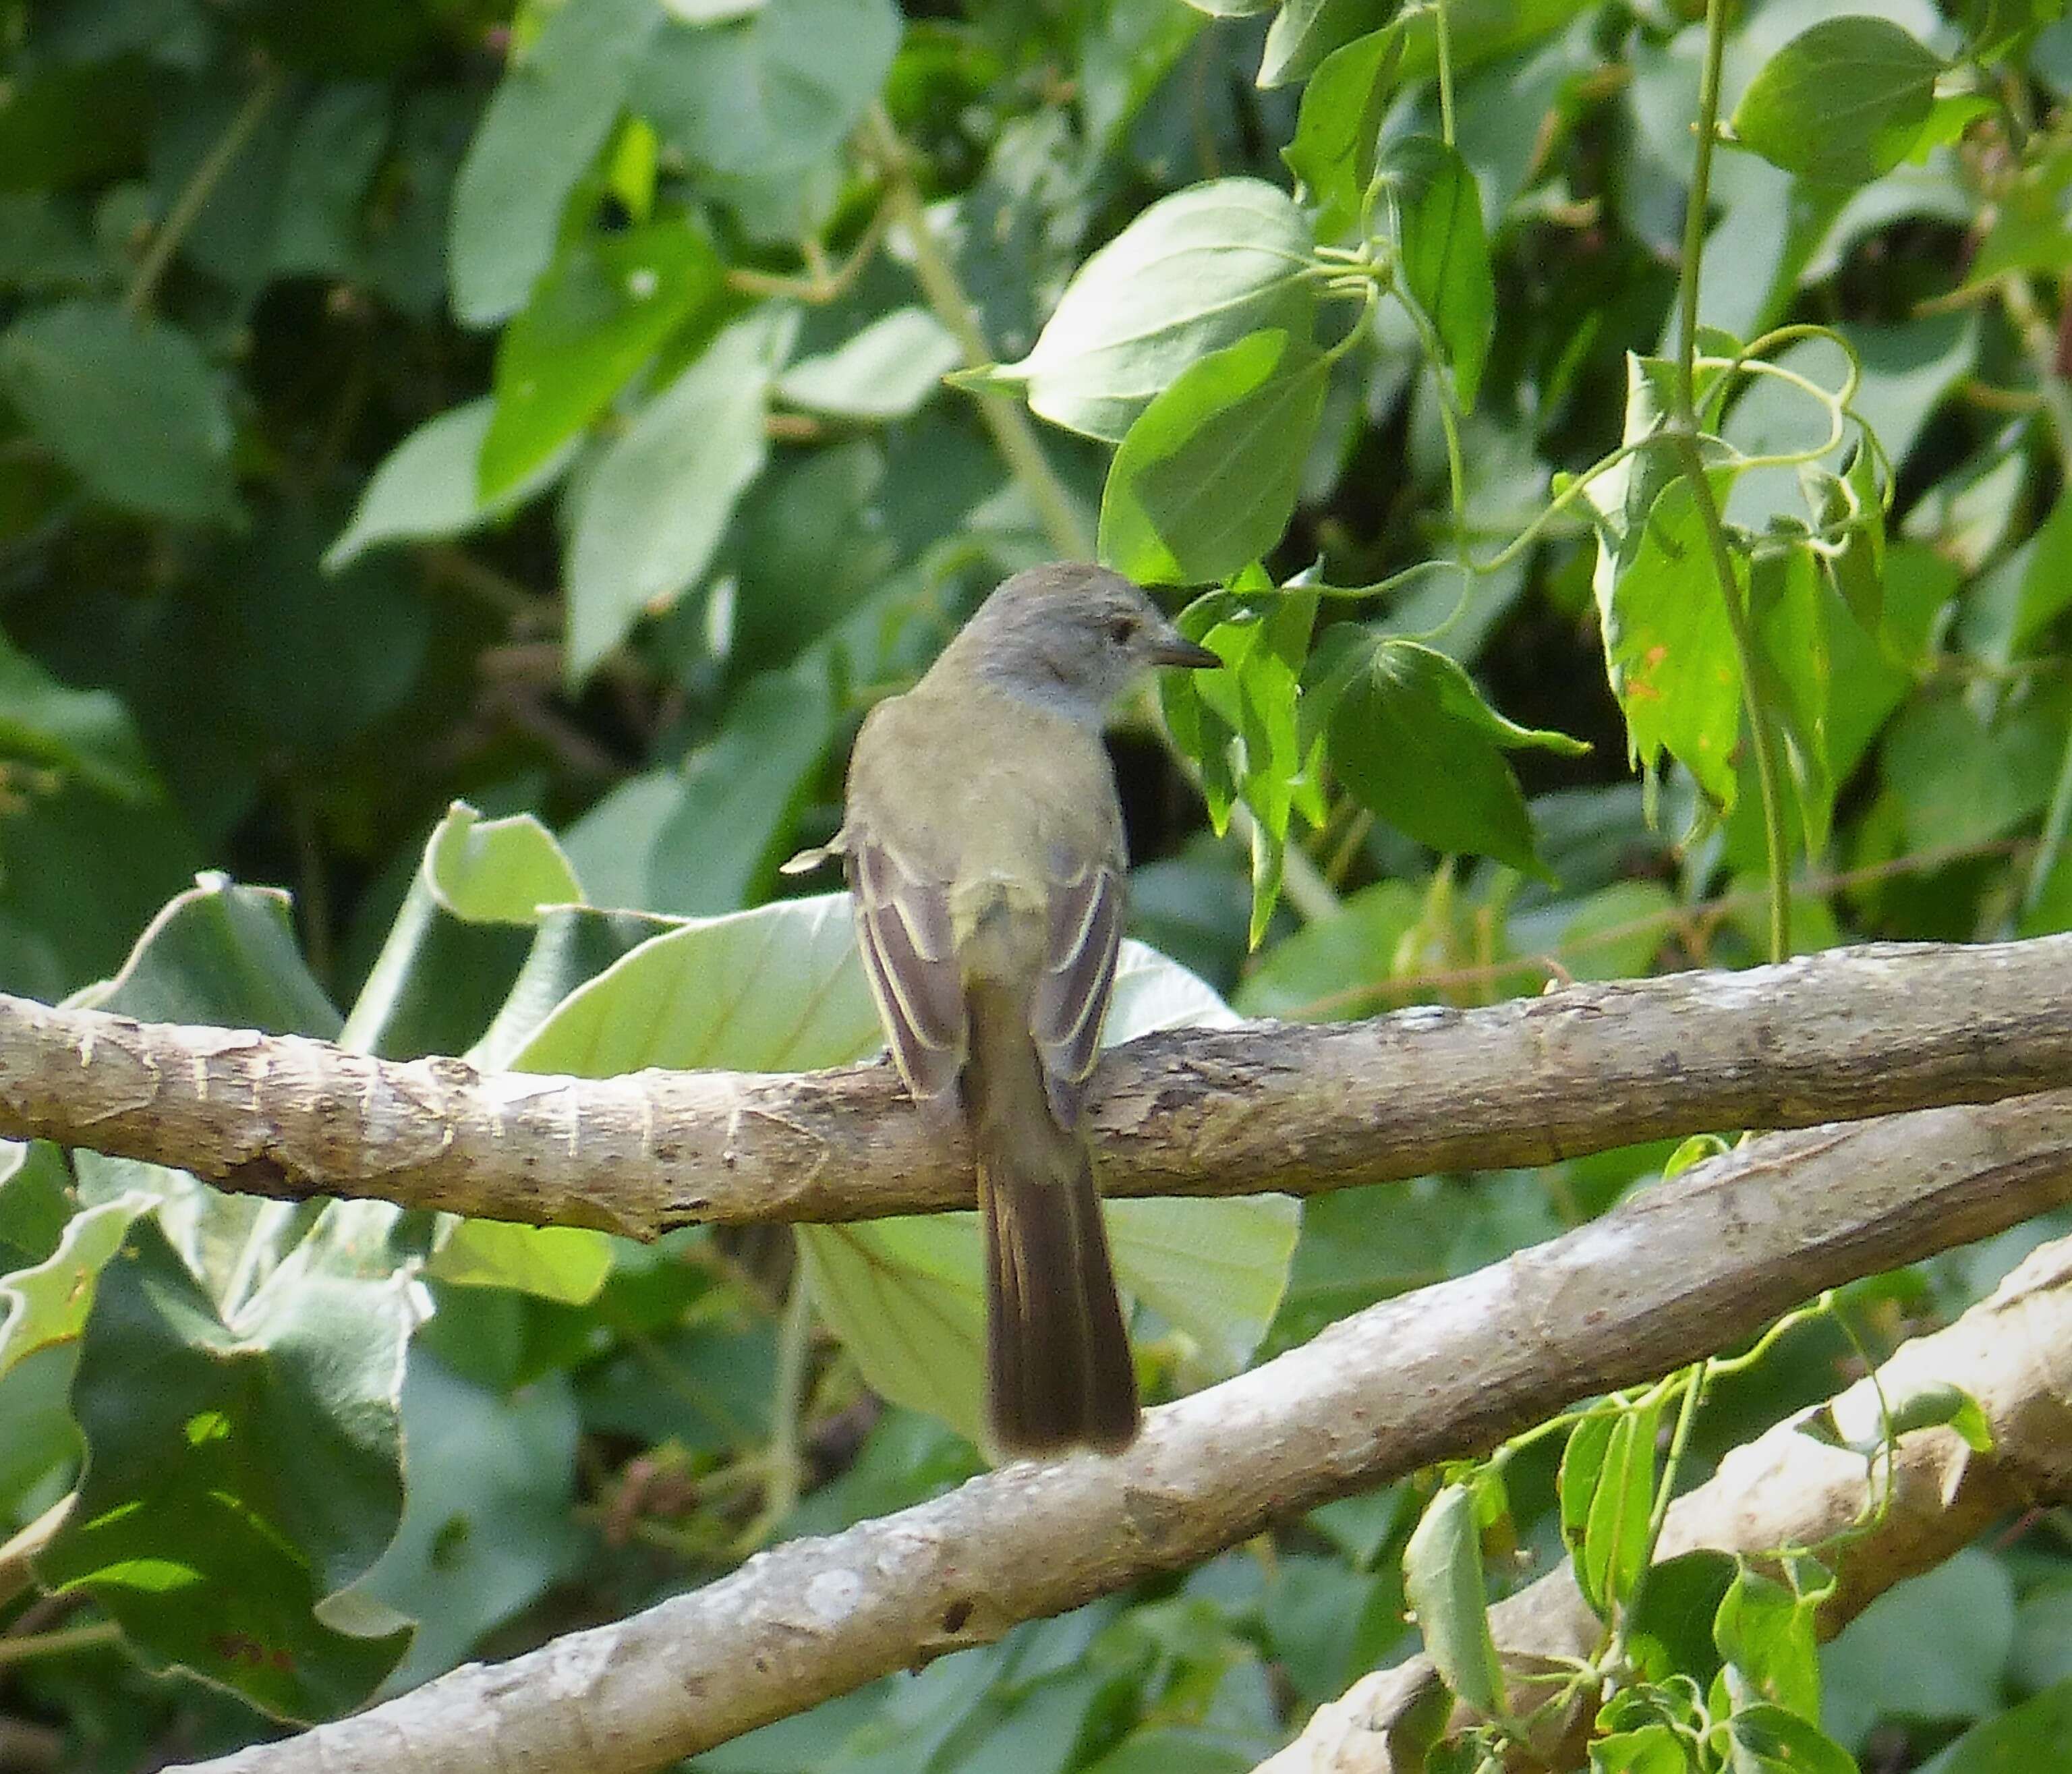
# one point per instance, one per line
(1064, 523)
(195, 195)
(1691, 460)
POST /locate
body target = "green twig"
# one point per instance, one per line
(782, 1466)
(1442, 36)
(1692, 463)
(195, 195)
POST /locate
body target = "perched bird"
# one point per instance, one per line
(983, 842)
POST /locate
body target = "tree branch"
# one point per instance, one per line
(1850, 1033)
(1676, 1271)
(2012, 1352)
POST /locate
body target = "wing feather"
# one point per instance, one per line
(903, 927)
(1071, 999)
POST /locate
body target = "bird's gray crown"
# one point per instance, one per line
(1068, 637)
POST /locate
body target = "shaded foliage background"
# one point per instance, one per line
(430, 399)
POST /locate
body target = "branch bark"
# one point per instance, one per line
(1679, 1270)
(1850, 1033)
(2012, 1352)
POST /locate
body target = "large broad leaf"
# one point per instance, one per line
(549, 117)
(781, 988)
(1196, 271)
(239, 1472)
(1206, 477)
(649, 517)
(428, 485)
(43, 1309)
(464, 930)
(600, 313)
(887, 370)
(487, 1524)
(238, 1376)
(128, 404)
(1841, 103)
(774, 94)
(701, 837)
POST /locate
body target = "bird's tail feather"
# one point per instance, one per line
(1058, 1369)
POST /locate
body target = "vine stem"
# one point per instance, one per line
(1012, 435)
(1696, 1377)
(195, 195)
(1691, 461)
(66, 1638)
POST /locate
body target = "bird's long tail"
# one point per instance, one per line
(1058, 1369)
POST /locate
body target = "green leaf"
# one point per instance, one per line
(1936, 1404)
(2037, 1734)
(1898, 1659)
(1320, 972)
(600, 312)
(239, 1473)
(1607, 1492)
(552, 112)
(1206, 477)
(1242, 723)
(1788, 603)
(1670, 1628)
(85, 734)
(1442, 1575)
(1765, 1739)
(650, 515)
(225, 956)
(1669, 648)
(2008, 608)
(428, 486)
(1652, 1749)
(1768, 1631)
(1842, 103)
(487, 1524)
(704, 836)
(1412, 739)
(1338, 131)
(565, 1263)
(130, 405)
(1962, 781)
(888, 371)
(1443, 253)
(1306, 32)
(1196, 271)
(775, 94)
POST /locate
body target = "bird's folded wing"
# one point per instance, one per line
(1071, 999)
(908, 943)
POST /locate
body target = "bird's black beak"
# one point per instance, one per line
(1174, 648)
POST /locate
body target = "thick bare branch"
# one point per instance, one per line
(1853, 1032)
(1678, 1270)
(2012, 1352)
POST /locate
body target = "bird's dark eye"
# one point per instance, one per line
(1122, 630)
